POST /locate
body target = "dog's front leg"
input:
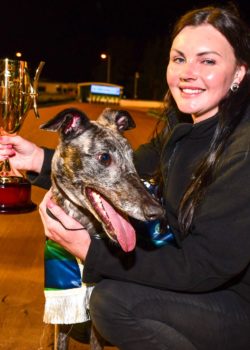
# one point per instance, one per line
(96, 340)
(62, 337)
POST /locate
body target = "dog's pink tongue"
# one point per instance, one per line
(124, 231)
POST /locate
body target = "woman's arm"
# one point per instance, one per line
(43, 178)
(23, 154)
(26, 155)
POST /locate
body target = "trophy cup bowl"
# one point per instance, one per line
(17, 96)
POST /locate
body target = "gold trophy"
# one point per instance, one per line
(17, 96)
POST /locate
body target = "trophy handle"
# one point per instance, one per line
(34, 88)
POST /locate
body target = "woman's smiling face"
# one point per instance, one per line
(201, 70)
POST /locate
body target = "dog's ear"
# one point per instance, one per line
(119, 119)
(70, 122)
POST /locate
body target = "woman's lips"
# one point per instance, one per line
(191, 91)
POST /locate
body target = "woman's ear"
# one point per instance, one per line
(240, 73)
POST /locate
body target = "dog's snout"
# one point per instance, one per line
(153, 211)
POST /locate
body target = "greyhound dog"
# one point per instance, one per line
(95, 181)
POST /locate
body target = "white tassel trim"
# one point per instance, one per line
(67, 306)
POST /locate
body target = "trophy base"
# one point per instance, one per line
(15, 195)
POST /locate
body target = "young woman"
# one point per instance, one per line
(195, 294)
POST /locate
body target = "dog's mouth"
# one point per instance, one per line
(116, 225)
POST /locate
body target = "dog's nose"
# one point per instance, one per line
(152, 211)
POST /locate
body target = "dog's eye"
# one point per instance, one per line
(104, 158)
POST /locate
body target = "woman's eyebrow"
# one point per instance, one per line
(177, 51)
(202, 53)
(208, 53)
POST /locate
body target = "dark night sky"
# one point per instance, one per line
(69, 36)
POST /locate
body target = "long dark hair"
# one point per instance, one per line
(231, 108)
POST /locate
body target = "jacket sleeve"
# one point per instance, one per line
(147, 157)
(214, 254)
(43, 178)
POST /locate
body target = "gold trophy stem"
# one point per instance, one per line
(7, 173)
(5, 167)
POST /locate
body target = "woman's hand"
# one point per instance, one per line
(76, 241)
(22, 154)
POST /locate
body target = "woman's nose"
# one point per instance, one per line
(189, 71)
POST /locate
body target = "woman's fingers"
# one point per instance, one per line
(62, 228)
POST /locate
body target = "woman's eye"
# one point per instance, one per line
(208, 62)
(104, 159)
(178, 59)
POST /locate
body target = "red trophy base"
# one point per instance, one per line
(15, 195)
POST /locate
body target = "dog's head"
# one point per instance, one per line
(93, 166)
